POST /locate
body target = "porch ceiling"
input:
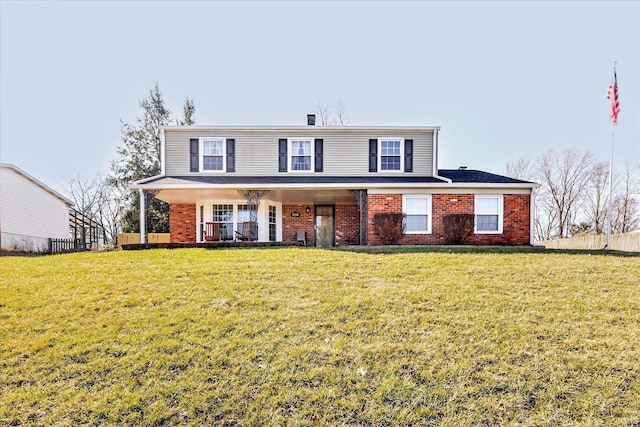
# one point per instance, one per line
(293, 196)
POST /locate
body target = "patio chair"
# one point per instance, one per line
(301, 236)
(247, 234)
(212, 231)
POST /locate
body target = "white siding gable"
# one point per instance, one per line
(28, 208)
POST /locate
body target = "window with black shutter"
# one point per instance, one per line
(282, 155)
(408, 155)
(318, 154)
(373, 155)
(194, 144)
(231, 155)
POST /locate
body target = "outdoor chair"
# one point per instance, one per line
(212, 231)
(353, 238)
(246, 234)
(301, 236)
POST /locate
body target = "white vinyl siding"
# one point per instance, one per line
(417, 210)
(28, 211)
(488, 212)
(345, 152)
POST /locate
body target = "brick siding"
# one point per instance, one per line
(347, 224)
(291, 224)
(516, 221)
(182, 223)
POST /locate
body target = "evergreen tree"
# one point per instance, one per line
(139, 158)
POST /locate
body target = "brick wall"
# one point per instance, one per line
(515, 226)
(182, 223)
(347, 224)
(381, 203)
(291, 224)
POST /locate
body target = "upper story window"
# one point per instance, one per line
(391, 154)
(488, 211)
(212, 158)
(300, 155)
(418, 214)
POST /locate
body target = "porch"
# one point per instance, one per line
(224, 217)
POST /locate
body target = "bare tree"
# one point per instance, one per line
(597, 198)
(625, 207)
(97, 200)
(332, 115)
(522, 168)
(563, 178)
(574, 198)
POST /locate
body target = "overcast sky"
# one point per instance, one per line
(504, 80)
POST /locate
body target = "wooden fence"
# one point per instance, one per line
(128, 238)
(627, 242)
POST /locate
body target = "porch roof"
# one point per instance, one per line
(456, 176)
(285, 180)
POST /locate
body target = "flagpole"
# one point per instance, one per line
(610, 215)
(612, 95)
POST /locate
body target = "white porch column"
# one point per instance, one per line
(532, 217)
(143, 220)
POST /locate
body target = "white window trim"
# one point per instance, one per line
(224, 154)
(401, 170)
(290, 154)
(500, 198)
(429, 210)
(263, 216)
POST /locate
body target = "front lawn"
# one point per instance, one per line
(298, 336)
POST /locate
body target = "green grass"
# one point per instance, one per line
(315, 337)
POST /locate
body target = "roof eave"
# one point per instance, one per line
(267, 186)
(37, 182)
(301, 127)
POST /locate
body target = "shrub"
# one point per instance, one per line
(458, 228)
(389, 227)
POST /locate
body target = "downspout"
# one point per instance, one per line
(143, 221)
(435, 159)
(162, 155)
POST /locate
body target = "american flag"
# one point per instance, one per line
(612, 94)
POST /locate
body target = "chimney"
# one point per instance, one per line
(461, 168)
(311, 119)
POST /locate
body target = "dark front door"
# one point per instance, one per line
(325, 226)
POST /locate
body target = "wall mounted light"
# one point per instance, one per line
(307, 209)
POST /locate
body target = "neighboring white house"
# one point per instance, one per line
(30, 212)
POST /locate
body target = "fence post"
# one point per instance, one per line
(50, 245)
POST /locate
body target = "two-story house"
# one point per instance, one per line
(271, 183)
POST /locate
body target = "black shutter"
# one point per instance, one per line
(194, 144)
(282, 155)
(408, 155)
(231, 155)
(373, 155)
(318, 153)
